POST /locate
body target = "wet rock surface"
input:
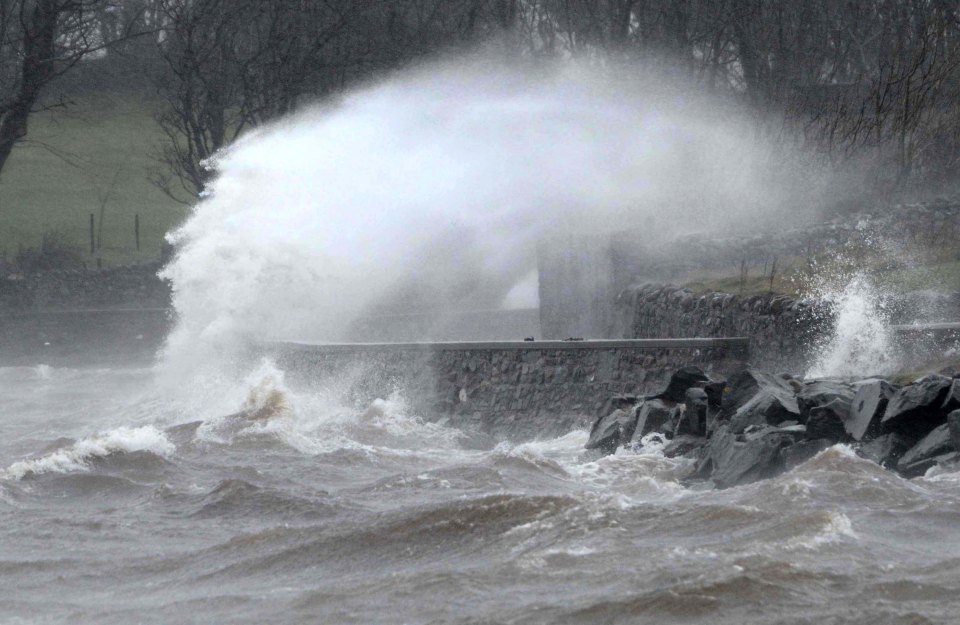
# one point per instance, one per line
(923, 455)
(917, 408)
(763, 424)
(868, 405)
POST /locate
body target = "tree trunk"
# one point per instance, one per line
(37, 69)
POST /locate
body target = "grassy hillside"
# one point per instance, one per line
(95, 153)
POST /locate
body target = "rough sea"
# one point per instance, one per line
(121, 503)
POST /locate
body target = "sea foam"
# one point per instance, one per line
(76, 457)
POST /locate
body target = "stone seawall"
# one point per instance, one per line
(517, 389)
(784, 332)
(781, 329)
(580, 276)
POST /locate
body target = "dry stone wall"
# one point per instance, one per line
(784, 332)
(781, 329)
(520, 392)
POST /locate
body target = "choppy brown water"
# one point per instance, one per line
(117, 507)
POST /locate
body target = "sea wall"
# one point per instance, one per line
(784, 332)
(580, 276)
(781, 329)
(517, 389)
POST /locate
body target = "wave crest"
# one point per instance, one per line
(76, 457)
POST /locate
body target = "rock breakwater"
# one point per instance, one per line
(754, 425)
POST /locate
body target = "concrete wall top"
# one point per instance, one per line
(681, 343)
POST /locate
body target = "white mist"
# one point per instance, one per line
(861, 342)
(433, 188)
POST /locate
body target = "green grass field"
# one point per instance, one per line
(66, 170)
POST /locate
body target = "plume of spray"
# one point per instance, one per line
(434, 188)
(861, 342)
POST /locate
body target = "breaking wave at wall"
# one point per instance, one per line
(861, 342)
(431, 191)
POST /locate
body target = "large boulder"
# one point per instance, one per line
(681, 380)
(953, 423)
(683, 445)
(798, 453)
(654, 415)
(927, 452)
(915, 409)
(728, 460)
(952, 401)
(714, 391)
(817, 393)
(608, 432)
(693, 419)
(886, 450)
(770, 405)
(743, 386)
(622, 401)
(827, 421)
(869, 403)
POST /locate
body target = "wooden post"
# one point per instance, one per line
(136, 230)
(92, 242)
(773, 273)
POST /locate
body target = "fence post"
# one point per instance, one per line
(136, 229)
(92, 246)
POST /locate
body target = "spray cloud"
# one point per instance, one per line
(433, 188)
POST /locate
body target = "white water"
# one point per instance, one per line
(76, 457)
(432, 190)
(861, 342)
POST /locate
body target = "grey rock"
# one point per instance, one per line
(653, 415)
(918, 458)
(607, 432)
(869, 403)
(684, 445)
(714, 391)
(953, 423)
(743, 386)
(798, 453)
(681, 380)
(920, 467)
(769, 406)
(886, 450)
(827, 421)
(693, 419)
(952, 401)
(915, 409)
(822, 392)
(623, 401)
(757, 431)
(728, 461)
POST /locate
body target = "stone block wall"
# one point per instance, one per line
(781, 329)
(784, 332)
(511, 390)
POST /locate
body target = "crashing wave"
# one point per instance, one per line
(77, 457)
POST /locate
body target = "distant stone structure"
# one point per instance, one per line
(581, 277)
(522, 390)
(783, 331)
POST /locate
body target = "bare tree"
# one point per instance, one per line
(234, 64)
(840, 79)
(39, 41)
